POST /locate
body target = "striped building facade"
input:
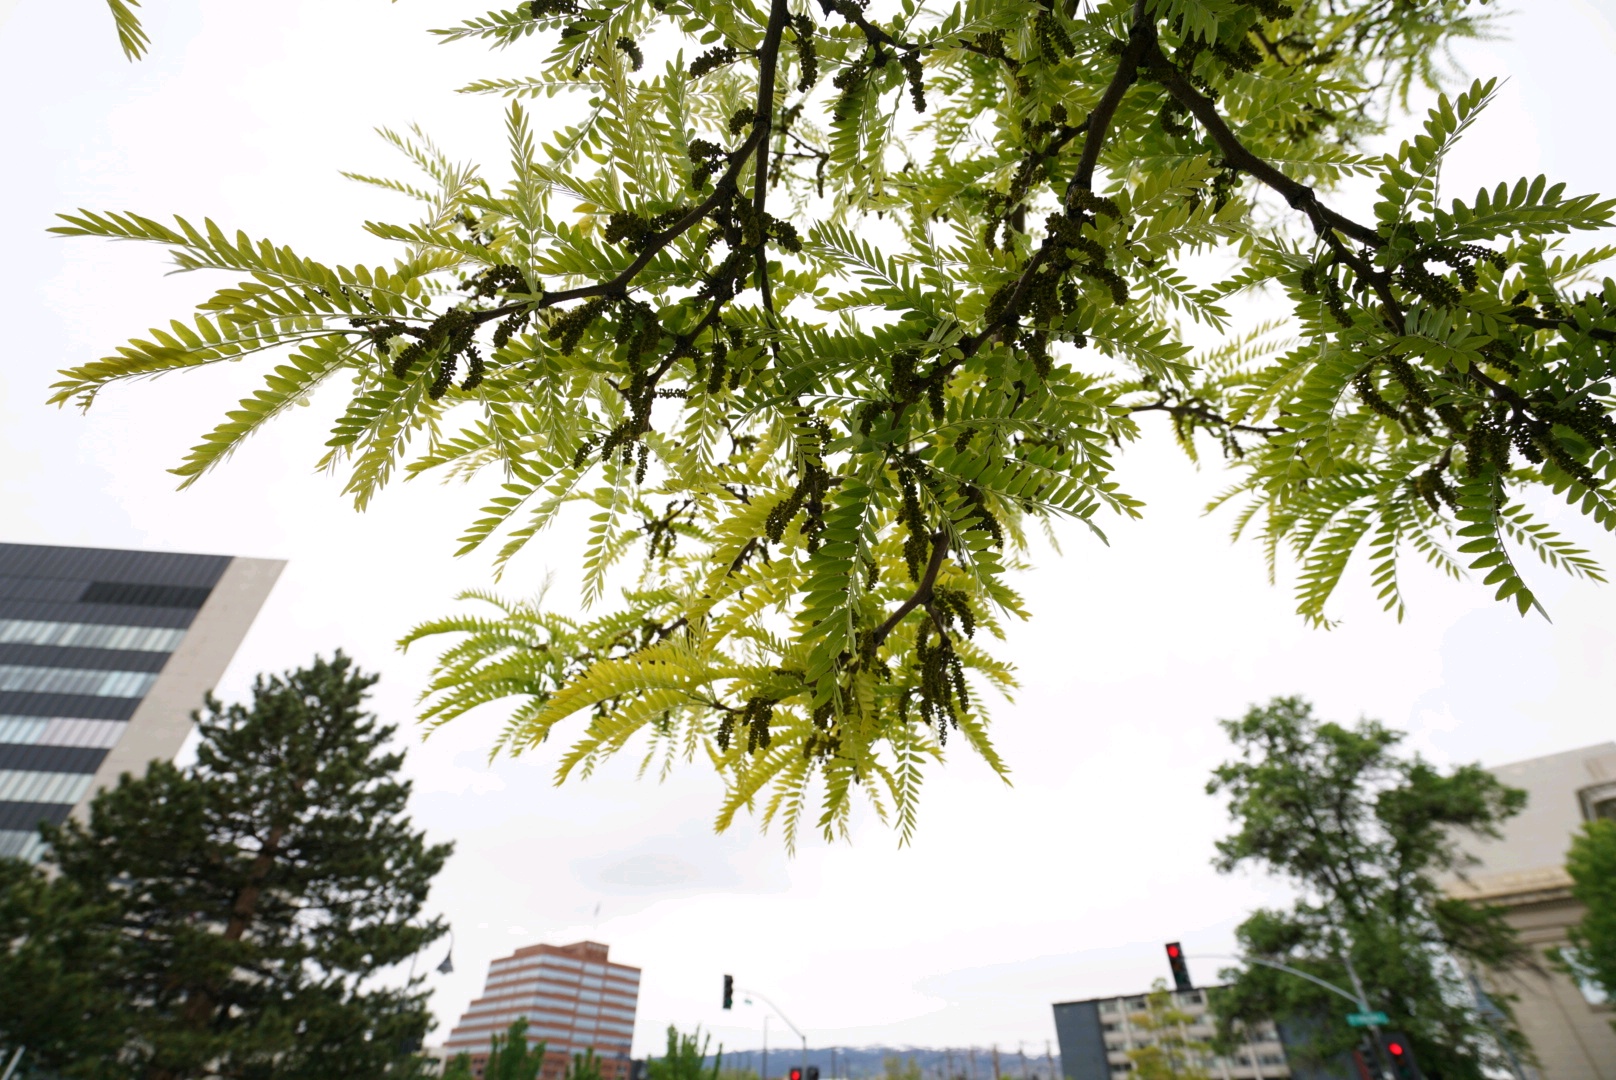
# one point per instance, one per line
(574, 1000)
(104, 655)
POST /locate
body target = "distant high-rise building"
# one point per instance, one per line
(573, 998)
(104, 655)
(1523, 872)
(1097, 1035)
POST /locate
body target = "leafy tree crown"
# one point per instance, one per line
(1368, 839)
(815, 317)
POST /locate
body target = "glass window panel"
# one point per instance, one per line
(90, 635)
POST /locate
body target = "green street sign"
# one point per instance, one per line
(1369, 1019)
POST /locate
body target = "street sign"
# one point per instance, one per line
(1369, 1019)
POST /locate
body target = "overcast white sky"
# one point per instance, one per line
(1062, 887)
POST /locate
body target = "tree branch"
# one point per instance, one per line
(1141, 42)
(1294, 192)
(923, 590)
(762, 125)
(1206, 415)
(1095, 127)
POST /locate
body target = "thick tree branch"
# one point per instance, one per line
(762, 126)
(1141, 42)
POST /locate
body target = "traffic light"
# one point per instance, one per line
(796, 1074)
(1402, 1055)
(813, 1072)
(1181, 970)
(729, 991)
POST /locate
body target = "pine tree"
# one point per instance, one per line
(239, 910)
(817, 321)
(1366, 837)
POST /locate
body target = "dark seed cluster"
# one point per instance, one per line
(711, 60)
(629, 48)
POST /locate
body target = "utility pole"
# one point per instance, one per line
(996, 1075)
(764, 1075)
(1049, 1059)
(971, 1058)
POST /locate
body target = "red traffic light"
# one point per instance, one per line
(796, 1074)
(1181, 969)
(1395, 1049)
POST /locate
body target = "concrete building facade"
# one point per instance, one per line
(104, 655)
(574, 999)
(1524, 872)
(1097, 1034)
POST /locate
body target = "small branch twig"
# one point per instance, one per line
(1206, 415)
(923, 590)
(1294, 192)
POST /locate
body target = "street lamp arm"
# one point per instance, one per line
(777, 1012)
(1334, 989)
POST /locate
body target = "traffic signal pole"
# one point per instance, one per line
(1358, 999)
(1382, 1062)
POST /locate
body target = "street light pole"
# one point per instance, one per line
(789, 1024)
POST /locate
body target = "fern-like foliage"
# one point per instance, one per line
(131, 36)
(807, 326)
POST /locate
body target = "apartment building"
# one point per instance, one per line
(1097, 1034)
(574, 999)
(104, 655)
(1524, 872)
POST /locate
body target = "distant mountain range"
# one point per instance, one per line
(856, 1062)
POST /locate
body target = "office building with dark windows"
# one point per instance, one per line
(104, 656)
(1097, 1037)
(574, 1001)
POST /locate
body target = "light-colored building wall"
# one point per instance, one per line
(1524, 872)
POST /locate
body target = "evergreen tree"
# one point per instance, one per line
(819, 314)
(1592, 865)
(235, 912)
(1365, 836)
